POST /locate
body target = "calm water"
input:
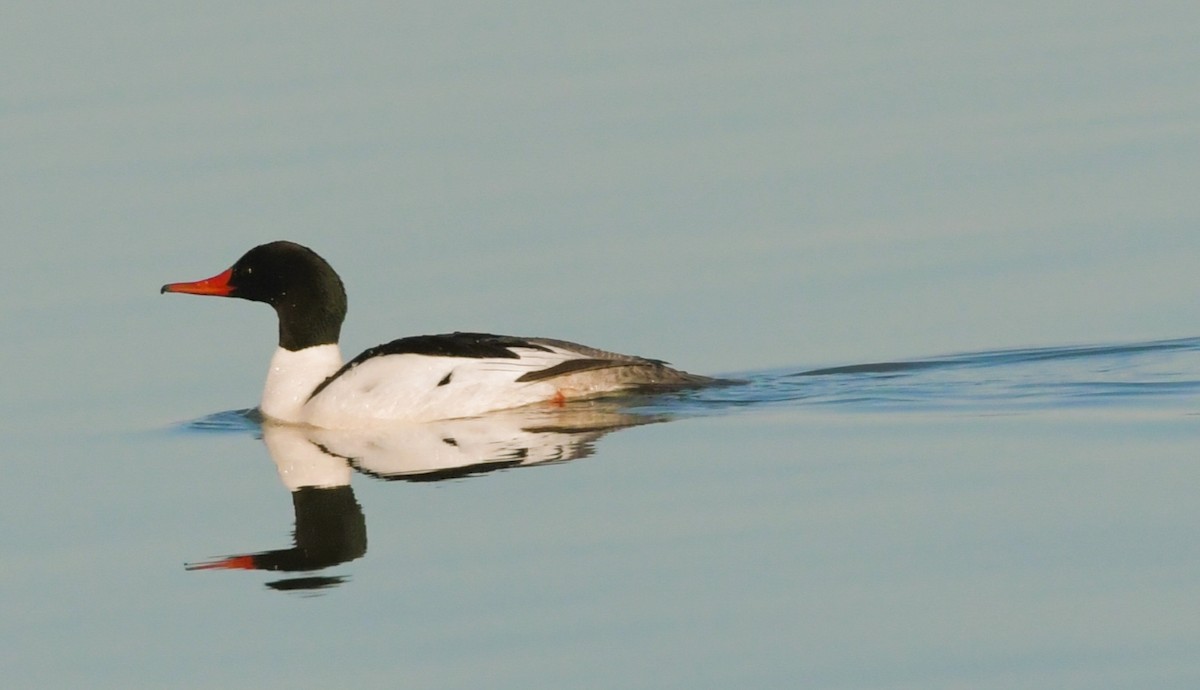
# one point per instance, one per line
(1013, 518)
(826, 203)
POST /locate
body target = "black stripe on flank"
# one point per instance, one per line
(569, 367)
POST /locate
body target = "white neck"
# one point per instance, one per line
(293, 376)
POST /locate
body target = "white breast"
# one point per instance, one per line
(292, 377)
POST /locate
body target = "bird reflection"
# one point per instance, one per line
(316, 466)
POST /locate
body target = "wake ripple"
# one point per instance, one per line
(1149, 374)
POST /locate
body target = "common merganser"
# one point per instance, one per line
(420, 378)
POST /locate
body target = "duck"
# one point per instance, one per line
(417, 378)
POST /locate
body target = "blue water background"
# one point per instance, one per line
(950, 251)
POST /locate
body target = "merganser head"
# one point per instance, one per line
(306, 293)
